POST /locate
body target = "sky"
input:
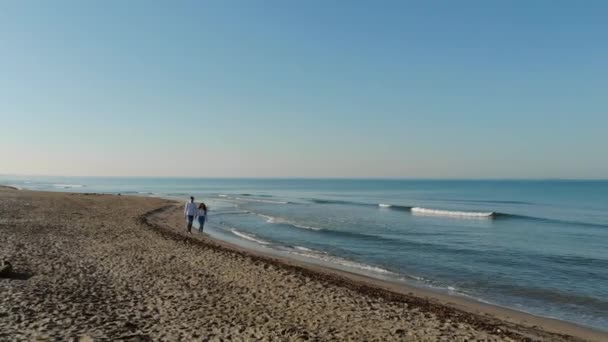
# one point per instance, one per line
(387, 89)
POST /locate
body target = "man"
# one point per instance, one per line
(189, 213)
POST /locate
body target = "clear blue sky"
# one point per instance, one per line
(449, 89)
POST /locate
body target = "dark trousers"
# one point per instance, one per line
(190, 220)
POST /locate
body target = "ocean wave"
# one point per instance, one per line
(478, 201)
(397, 207)
(355, 235)
(458, 214)
(249, 237)
(381, 205)
(408, 277)
(332, 232)
(323, 201)
(394, 207)
(270, 219)
(248, 199)
(304, 249)
(330, 259)
(314, 254)
(218, 213)
(461, 214)
(280, 220)
(549, 220)
(420, 211)
(67, 186)
(556, 296)
(498, 215)
(256, 195)
(260, 200)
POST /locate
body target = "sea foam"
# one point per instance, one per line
(339, 261)
(249, 237)
(67, 186)
(280, 220)
(260, 200)
(459, 214)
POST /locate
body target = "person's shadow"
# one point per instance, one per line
(16, 276)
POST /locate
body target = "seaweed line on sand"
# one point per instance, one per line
(443, 312)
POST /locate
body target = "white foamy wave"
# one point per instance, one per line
(279, 220)
(260, 200)
(249, 237)
(68, 185)
(459, 214)
(418, 278)
(271, 219)
(305, 227)
(222, 195)
(300, 248)
(342, 262)
(382, 205)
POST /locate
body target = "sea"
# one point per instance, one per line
(538, 246)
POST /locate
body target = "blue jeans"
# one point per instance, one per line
(201, 222)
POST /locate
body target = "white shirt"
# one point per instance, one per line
(190, 209)
(201, 212)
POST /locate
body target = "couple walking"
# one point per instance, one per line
(191, 211)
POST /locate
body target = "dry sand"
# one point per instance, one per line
(107, 267)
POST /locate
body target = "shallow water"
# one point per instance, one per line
(536, 246)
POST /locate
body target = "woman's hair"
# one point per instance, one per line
(202, 206)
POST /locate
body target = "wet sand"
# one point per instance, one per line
(106, 267)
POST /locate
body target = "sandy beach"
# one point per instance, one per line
(107, 267)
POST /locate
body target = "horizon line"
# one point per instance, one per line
(320, 178)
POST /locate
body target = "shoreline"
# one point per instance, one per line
(163, 219)
(392, 290)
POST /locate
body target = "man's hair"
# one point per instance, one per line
(191, 198)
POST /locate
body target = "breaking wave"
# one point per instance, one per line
(249, 237)
(420, 211)
(322, 201)
(249, 199)
(68, 186)
(381, 205)
(280, 220)
(459, 214)
(394, 207)
(256, 195)
(304, 249)
(261, 200)
(329, 259)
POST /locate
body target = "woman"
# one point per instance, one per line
(201, 213)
